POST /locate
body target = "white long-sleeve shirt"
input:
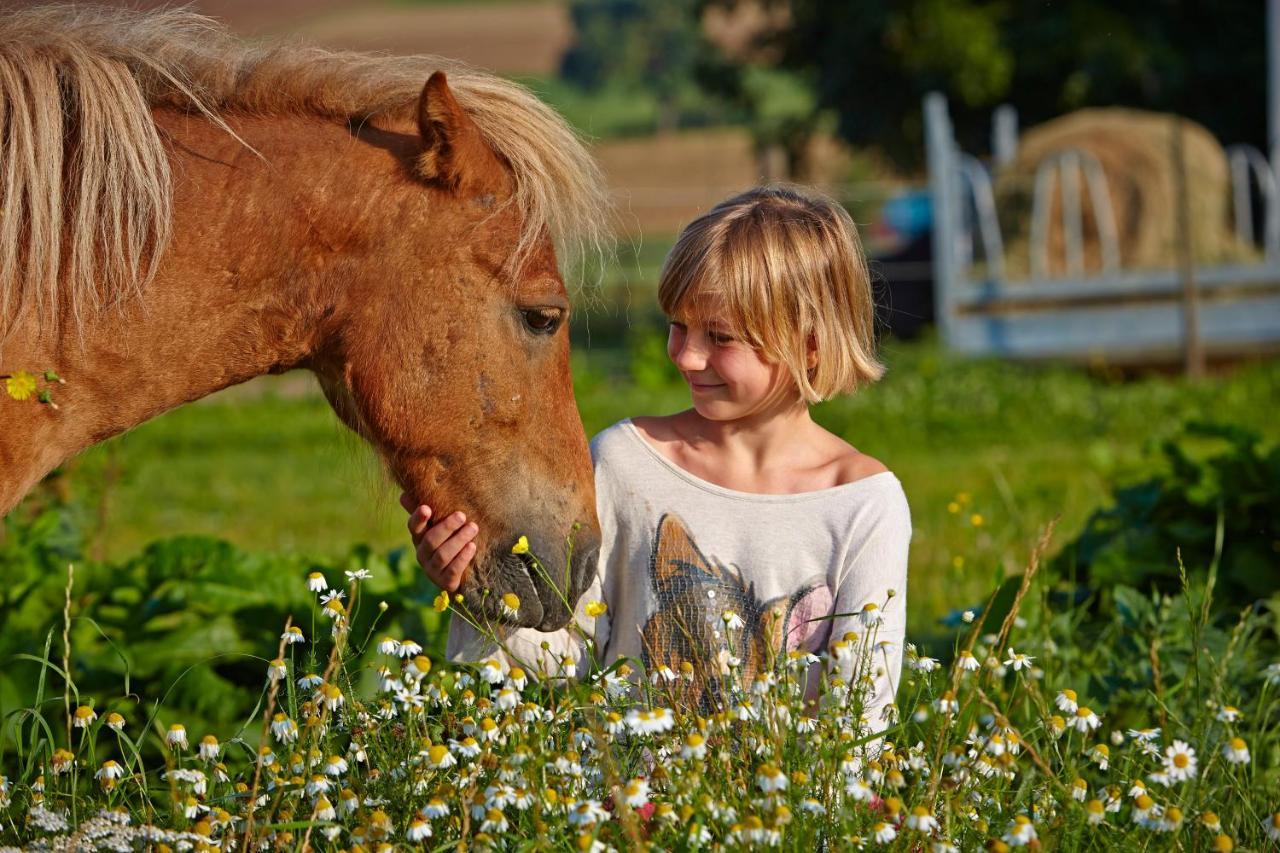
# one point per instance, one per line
(678, 553)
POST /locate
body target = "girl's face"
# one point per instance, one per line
(727, 377)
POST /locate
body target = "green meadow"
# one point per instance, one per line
(988, 452)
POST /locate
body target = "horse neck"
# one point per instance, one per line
(237, 295)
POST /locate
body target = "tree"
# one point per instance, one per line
(647, 45)
(873, 61)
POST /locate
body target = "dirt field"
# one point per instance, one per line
(661, 182)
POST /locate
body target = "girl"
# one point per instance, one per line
(729, 530)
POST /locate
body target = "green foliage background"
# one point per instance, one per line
(873, 61)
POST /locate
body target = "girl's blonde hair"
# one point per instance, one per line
(787, 264)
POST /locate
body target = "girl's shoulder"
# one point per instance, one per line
(608, 438)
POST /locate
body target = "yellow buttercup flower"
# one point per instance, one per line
(596, 608)
(442, 602)
(21, 385)
(521, 546)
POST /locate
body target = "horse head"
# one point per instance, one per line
(186, 212)
(458, 371)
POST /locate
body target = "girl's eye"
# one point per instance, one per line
(542, 321)
(720, 340)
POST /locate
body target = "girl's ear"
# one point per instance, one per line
(811, 351)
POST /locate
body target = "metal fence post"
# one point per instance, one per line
(940, 153)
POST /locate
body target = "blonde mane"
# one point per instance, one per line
(85, 197)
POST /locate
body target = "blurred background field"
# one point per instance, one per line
(685, 109)
(987, 453)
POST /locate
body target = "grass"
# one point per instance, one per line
(1011, 444)
(1060, 740)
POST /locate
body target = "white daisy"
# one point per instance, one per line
(209, 748)
(310, 681)
(1236, 751)
(176, 736)
(317, 784)
(770, 778)
(419, 830)
(923, 664)
(636, 793)
(920, 819)
(325, 809)
(438, 756)
(491, 671)
(435, 808)
(695, 746)
(1020, 832)
(1179, 761)
(586, 813)
(277, 670)
(1085, 720)
(468, 747)
(883, 832)
(284, 729)
(1018, 661)
(109, 772)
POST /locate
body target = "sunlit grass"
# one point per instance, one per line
(274, 471)
(364, 741)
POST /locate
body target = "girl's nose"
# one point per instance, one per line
(689, 356)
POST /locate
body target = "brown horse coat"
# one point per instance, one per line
(400, 253)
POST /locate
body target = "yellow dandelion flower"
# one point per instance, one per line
(21, 385)
(976, 520)
(521, 546)
(953, 507)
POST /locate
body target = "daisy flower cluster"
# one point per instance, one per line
(374, 743)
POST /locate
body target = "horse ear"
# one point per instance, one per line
(453, 150)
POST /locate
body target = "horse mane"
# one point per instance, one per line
(82, 162)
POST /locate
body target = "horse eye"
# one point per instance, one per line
(542, 321)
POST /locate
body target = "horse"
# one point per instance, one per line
(181, 212)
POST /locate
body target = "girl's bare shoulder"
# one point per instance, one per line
(661, 430)
(850, 464)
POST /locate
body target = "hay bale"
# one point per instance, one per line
(1134, 149)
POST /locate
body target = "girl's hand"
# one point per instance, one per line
(445, 548)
